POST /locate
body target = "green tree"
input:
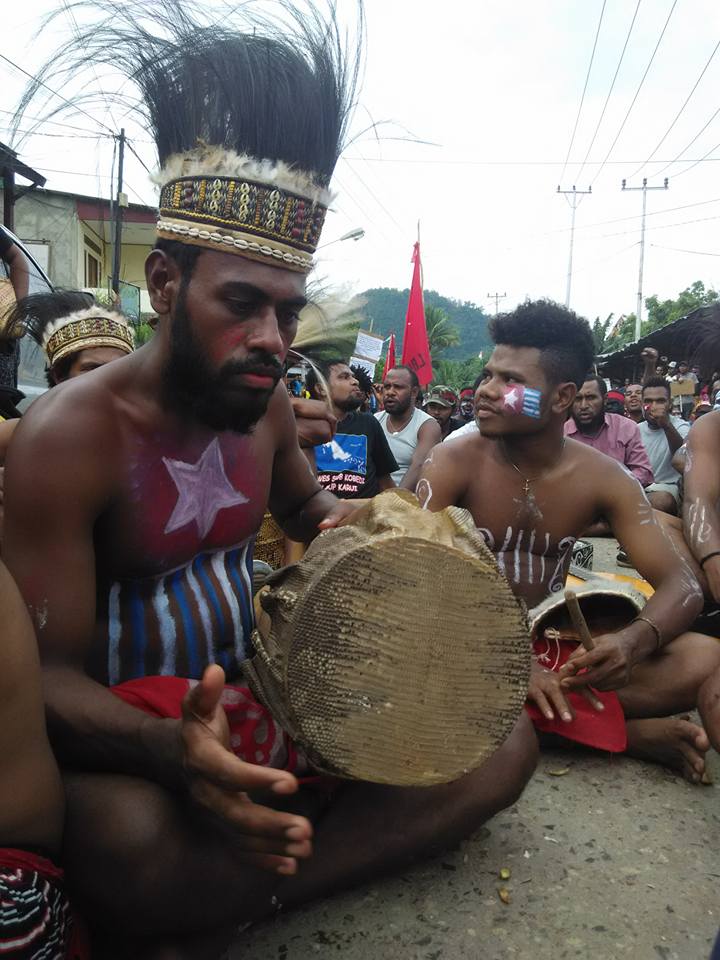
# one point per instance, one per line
(600, 331)
(662, 312)
(440, 332)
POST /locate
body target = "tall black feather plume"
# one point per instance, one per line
(277, 88)
(34, 313)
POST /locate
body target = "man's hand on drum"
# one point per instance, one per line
(314, 421)
(606, 667)
(547, 694)
(219, 781)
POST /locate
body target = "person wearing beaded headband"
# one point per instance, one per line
(134, 547)
(76, 333)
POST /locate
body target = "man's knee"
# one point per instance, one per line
(521, 750)
(664, 502)
(116, 842)
(696, 652)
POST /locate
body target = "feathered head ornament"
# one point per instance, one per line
(68, 321)
(249, 114)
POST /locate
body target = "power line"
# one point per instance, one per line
(612, 87)
(55, 93)
(680, 111)
(696, 162)
(582, 98)
(661, 226)
(687, 147)
(697, 253)
(57, 123)
(637, 94)
(507, 163)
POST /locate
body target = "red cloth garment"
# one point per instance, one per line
(36, 919)
(254, 735)
(603, 731)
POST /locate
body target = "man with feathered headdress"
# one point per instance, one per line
(133, 544)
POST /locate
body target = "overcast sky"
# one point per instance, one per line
(494, 87)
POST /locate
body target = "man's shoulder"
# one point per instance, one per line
(358, 422)
(80, 415)
(469, 429)
(623, 426)
(421, 417)
(682, 426)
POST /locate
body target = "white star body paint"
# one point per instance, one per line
(203, 490)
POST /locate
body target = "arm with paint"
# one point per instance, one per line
(701, 518)
(673, 607)
(429, 435)
(443, 482)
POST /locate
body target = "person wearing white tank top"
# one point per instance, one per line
(410, 432)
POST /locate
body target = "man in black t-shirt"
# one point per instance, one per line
(357, 462)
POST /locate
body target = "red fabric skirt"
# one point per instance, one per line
(36, 919)
(602, 730)
(255, 736)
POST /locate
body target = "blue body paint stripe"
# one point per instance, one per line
(139, 640)
(191, 644)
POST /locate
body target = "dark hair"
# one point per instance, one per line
(34, 313)
(414, 382)
(277, 88)
(657, 382)
(363, 378)
(602, 386)
(185, 255)
(564, 340)
(312, 380)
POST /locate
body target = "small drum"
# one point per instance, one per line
(394, 651)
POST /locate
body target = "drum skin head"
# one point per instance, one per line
(395, 658)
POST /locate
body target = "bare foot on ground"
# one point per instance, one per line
(674, 742)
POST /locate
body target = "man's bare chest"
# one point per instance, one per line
(177, 499)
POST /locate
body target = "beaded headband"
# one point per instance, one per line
(261, 210)
(85, 329)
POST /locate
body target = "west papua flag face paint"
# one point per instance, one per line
(521, 399)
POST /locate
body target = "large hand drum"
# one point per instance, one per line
(394, 652)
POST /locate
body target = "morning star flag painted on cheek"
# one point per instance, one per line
(390, 358)
(416, 350)
(521, 399)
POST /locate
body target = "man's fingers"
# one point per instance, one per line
(203, 699)
(542, 704)
(592, 699)
(207, 758)
(561, 705)
(285, 833)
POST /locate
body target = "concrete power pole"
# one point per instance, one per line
(121, 202)
(574, 205)
(497, 297)
(644, 188)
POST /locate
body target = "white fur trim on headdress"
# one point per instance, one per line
(215, 161)
(83, 329)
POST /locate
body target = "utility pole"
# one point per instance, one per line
(497, 297)
(122, 201)
(644, 188)
(574, 193)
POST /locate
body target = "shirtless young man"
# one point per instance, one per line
(133, 544)
(532, 492)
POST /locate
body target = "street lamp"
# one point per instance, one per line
(356, 234)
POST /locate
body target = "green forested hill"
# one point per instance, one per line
(386, 306)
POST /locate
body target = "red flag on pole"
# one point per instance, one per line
(390, 358)
(416, 350)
